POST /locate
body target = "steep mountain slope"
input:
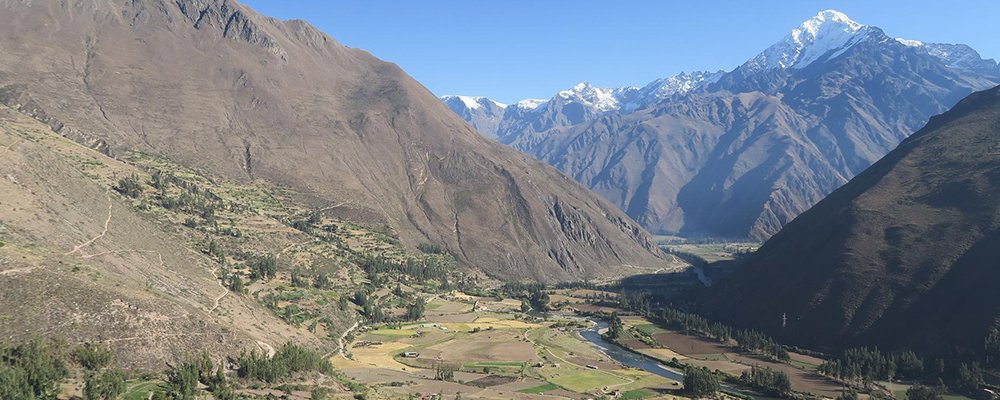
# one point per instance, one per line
(740, 154)
(213, 85)
(79, 262)
(901, 256)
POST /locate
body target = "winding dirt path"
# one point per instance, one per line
(225, 291)
(10, 147)
(340, 341)
(107, 222)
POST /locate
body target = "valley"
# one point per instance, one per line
(199, 201)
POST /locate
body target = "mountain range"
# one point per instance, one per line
(215, 86)
(903, 256)
(739, 154)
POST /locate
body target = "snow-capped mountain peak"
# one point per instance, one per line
(828, 31)
(529, 104)
(584, 92)
(472, 102)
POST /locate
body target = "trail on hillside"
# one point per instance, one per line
(107, 222)
(225, 291)
(340, 341)
(218, 281)
(10, 147)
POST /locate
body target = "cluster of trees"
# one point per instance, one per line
(871, 364)
(370, 307)
(759, 343)
(319, 280)
(308, 223)
(379, 268)
(700, 382)
(992, 344)
(374, 311)
(35, 370)
(415, 310)
(444, 372)
(100, 383)
(214, 249)
(431, 248)
(31, 370)
(193, 199)
(639, 302)
(679, 320)
(766, 380)
(107, 385)
(262, 266)
(921, 392)
(532, 295)
(289, 359)
(184, 378)
(615, 327)
(129, 186)
(967, 378)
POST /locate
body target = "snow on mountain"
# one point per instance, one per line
(472, 102)
(958, 56)
(665, 87)
(530, 104)
(627, 98)
(829, 31)
(601, 99)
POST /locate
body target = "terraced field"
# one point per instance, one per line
(493, 355)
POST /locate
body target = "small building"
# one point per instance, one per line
(411, 354)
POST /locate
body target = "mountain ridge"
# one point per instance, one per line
(897, 258)
(849, 100)
(214, 85)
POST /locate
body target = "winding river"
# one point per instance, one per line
(643, 362)
(626, 357)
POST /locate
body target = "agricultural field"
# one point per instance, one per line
(702, 352)
(488, 350)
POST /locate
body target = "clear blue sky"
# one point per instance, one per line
(514, 49)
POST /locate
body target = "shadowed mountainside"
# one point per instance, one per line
(902, 256)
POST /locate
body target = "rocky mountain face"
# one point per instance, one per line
(741, 153)
(215, 86)
(900, 257)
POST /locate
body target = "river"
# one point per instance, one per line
(626, 357)
(643, 362)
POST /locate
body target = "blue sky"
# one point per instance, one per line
(513, 49)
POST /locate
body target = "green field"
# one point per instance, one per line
(650, 329)
(637, 394)
(540, 389)
(141, 390)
